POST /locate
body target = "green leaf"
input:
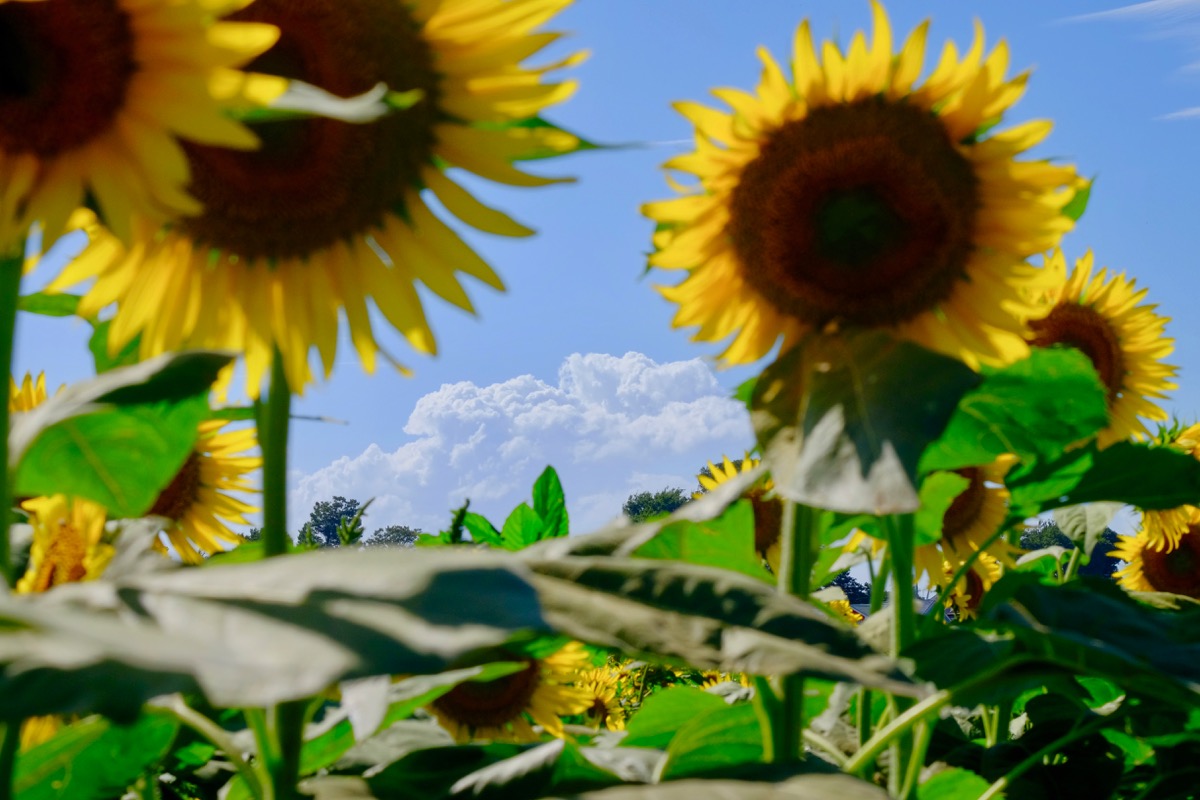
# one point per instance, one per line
(1035, 409)
(121, 457)
(721, 738)
(49, 305)
(1078, 204)
(706, 617)
(954, 784)
(482, 531)
(726, 541)
(937, 494)
(522, 528)
(550, 504)
(93, 759)
(1141, 475)
(1085, 524)
(830, 426)
(102, 358)
(665, 713)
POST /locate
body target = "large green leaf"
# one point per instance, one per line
(937, 495)
(550, 504)
(842, 422)
(49, 305)
(1142, 475)
(664, 713)
(256, 634)
(1035, 408)
(953, 784)
(703, 616)
(522, 528)
(717, 740)
(92, 759)
(1085, 524)
(726, 541)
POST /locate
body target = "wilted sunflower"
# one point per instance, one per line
(967, 593)
(1148, 569)
(1164, 527)
(605, 708)
(768, 509)
(68, 547)
(972, 518)
(845, 194)
(327, 213)
(100, 95)
(28, 395)
(1105, 316)
(197, 500)
(501, 709)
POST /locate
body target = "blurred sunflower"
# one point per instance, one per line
(972, 518)
(968, 592)
(844, 610)
(197, 502)
(1163, 528)
(28, 395)
(711, 677)
(100, 95)
(843, 193)
(501, 710)
(68, 546)
(1106, 318)
(601, 686)
(768, 510)
(327, 213)
(1148, 569)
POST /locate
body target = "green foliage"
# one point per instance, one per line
(327, 516)
(394, 536)
(645, 506)
(525, 525)
(725, 541)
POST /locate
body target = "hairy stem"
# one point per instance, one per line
(11, 268)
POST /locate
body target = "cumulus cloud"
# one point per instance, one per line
(611, 426)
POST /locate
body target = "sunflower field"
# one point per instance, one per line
(865, 221)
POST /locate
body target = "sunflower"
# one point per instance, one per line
(967, 593)
(1150, 569)
(844, 610)
(768, 509)
(845, 194)
(711, 677)
(1106, 318)
(196, 501)
(100, 97)
(28, 395)
(1164, 527)
(605, 709)
(502, 709)
(329, 213)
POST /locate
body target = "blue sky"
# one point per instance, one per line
(577, 364)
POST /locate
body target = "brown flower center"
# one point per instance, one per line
(1085, 329)
(974, 595)
(862, 213)
(492, 703)
(965, 509)
(318, 181)
(1178, 571)
(65, 67)
(181, 493)
(63, 561)
(768, 516)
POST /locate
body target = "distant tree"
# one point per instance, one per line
(1048, 534)
(252, 535)
(327, 514)
(650, 505)
(393, 536)
(856, 591)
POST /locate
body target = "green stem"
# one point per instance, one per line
(898, 726)
(921, 737)
(10, 292)
(829, 748)
(1072, 565)
(218, 736)
(900, 546)
(798, 556)
(285, 725)
(274, 434)
(863, 715)
(9, 746)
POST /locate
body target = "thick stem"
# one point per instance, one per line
(285, 725)
(274, 436)
(1072, 565)
(796, 565)
(9, 746)
(10, 292)
(900, 547)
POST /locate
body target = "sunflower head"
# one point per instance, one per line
(505, 709)
(967, 593)
(30, 394)
(606, 710)
(1105, 316)
(1151, 569)
(845, 611)
(840, 192)
(974, 515)
(68, 543)
(768, 509)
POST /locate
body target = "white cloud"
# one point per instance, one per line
(610, 425)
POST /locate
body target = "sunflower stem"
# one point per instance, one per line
(216, 735)
(795, 578)
(1072, 565)
(11, 268)
(274, 431)
(10, 744)
(900, 536)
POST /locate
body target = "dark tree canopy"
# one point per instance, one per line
(252, 535)
(1048, 534)
(326, 515)
(856, 591)
(650, 505)
(393, 536)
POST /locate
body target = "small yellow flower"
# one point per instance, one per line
(601, 686)
(768, 509)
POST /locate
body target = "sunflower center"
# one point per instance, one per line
(65, 67)
(768, 516)
(317, 181)
(180, 495)
(1177, 571)
(862, 213)
(1085, 329)
(63, 562)
(480, 704)
(964, 510)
